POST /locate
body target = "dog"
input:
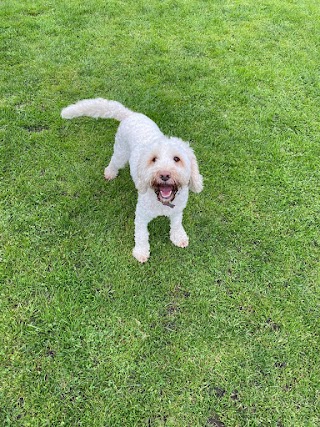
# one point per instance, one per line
(162, 168)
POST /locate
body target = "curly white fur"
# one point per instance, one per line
(162, 168)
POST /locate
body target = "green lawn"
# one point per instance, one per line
(224, 333)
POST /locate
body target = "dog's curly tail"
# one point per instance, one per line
(97, 108)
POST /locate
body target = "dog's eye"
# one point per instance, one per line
(154, 159)
(176, 159)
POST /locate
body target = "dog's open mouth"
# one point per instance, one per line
(166, 193)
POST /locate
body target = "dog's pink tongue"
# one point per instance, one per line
(166, 191)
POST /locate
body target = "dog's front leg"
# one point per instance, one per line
(141, 250)
(178, 236)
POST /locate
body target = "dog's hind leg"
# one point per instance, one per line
(119, 159)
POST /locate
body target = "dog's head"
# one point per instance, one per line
(167, 166)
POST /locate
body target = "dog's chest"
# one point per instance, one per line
(153, 208)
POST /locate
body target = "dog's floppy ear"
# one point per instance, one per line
(196, 180)
(139, 175)
(141, 184)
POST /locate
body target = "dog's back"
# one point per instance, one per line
(138, 130)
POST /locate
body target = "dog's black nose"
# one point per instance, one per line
(165, 177)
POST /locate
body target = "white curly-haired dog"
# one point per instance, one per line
(162, 168)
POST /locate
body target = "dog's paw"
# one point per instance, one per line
(141, 255)
(180, 239)
(110, 173)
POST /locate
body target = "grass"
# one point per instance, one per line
(224, 333)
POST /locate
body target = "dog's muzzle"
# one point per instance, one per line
(165, 193)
